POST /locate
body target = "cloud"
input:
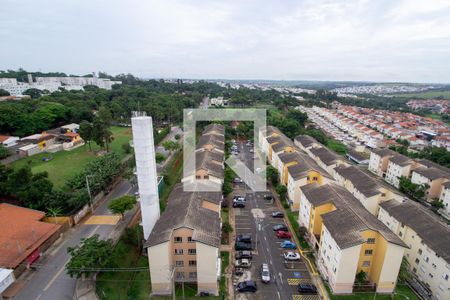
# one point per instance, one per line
(312, 39)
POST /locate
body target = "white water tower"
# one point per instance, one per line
(144, 151)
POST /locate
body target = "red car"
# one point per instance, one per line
(283, 234)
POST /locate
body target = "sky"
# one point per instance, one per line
(362, 40)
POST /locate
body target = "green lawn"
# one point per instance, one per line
(67, 163)
(402, 291)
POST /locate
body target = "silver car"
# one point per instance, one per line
(265, 273)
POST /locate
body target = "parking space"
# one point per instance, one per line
(256, 219)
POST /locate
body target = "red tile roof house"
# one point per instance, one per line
(23, 236)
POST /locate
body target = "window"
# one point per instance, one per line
(414, 270)
(445, 276)
(315, 178)
(434, 266)
(190, 239)
(419, 251)
(417, 261)
(192, 251)
(427, 259)
(198, 177)
(178, 251)
(403, 225)
(431, 275)
(180, 275)
(400, 233)
(307, 178)
(192, 275)
(366, 263)
(178, 239)
(334, 270)
(368, 252)
(371, 241)
(206, 177)
(179, 263)
(192, 263)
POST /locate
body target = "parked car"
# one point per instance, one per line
(247, 286)
(306, 288)
(283, 234)
(265, 274)
(277, 214)
(244, 238)
(251, 150)
(280, 227)
(268, 197)
(239, 198)
(243, 263)
(288, 245)
(244, 254)
(238, 180)
(240, 204)
(242, 246)
(291, 255)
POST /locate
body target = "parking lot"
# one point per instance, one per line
(256, 219)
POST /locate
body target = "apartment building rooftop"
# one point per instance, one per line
(432, 173)
(305, 140)
(430, 229)
(327, 156)
(282, 143)
(217, 141)
(303, 166)
(210, 161)
(360, 180)
(401, 160)
(268, 130)
(350, 219)
(186, 209)
(211, 128)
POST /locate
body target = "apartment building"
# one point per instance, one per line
(428, 240)
(431, 174)
(364, 188)
(398, 166)
(305, 142)
(327, 159)
(277, 145)
(379, 160)
(349, 239)
(184, 244)
(296, 170)
(264, 134)
(445, 197)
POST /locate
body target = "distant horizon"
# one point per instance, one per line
(227, 79)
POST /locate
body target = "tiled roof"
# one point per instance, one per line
(305, 140)
(303, 166)
(325, 155)
(184, 209)
(21, 233)
(211, 128)
(347, 223)
(432, 173)
(210, 161)
(434, 233)
(360, 180)
(218, 141)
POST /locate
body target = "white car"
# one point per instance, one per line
(265, 274)
(291, 255)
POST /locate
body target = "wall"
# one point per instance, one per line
(160, 268)
(207, 268)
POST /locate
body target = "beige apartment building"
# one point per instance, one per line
(428, 240)
(431, 174)
(398, 166)
(349, 239)
(379, 160)
(445, 197)
(365, 188)
(184, 244)
(327, 159)
(306, 142)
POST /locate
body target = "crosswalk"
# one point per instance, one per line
(305, 297)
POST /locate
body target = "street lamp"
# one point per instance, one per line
(89, 192)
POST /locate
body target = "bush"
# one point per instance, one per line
(126, 148)
(159, 158)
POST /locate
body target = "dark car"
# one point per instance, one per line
(238, 271)
(242, 246)
(247, 286)
(280, 227)
(268, 197)
(240, 204)
(244, 238)
(306, 288)
(277, 214)
(243, 254)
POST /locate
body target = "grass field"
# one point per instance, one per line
(426, 95)
(67, 163)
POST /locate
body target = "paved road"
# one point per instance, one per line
(49, 281)
(256, 219)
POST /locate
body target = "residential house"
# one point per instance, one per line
(349, 239)
(361, 158)
(8, 141)
(379, 160)
(428, 240)
(432, 176)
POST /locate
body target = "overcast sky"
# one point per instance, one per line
(375, 40)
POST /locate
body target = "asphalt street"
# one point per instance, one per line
(256, 219)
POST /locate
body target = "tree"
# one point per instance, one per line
(122, 204)
(91, 255)
(86, 132)
(415, 191)
(171, 146)
(33, 93)
(272, 175)
(361, 277)
(177, 137)
(104, 113)
(4, 93)
(126, 148)
(3, 152)
(438, 204)
(226, 227)
(101, 133)
(282, 191)
(159, 157)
